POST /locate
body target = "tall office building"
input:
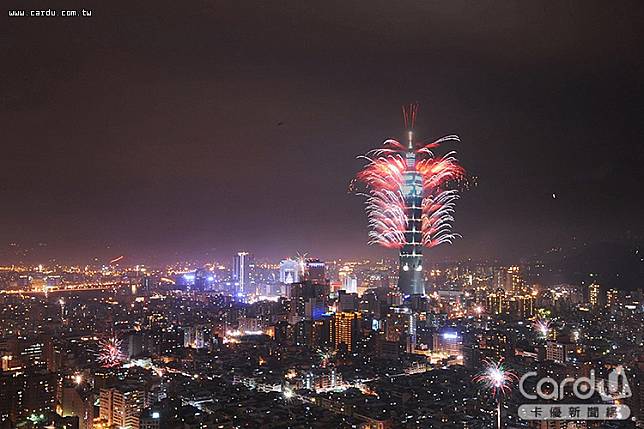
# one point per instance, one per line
(25, 393)
(315, 271)
(289, 271)
(448, 342)
(410, 200)
(350, 283)
(241, 273)
(594, 294)
(121, 406)
(514, 280)
(410, 272)
(612, 298)
(346, 329)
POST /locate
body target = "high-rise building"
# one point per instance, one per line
(315, 271)
(521, 306)
(449, 342)
(514, 280)
(559, 352)
(80, 403)
(410, 200)
(350, 283)
(241, 273)
(612, 298)
(410, 273)
(345, 329)
(289, 271)
(121, 406)
(496, 303)
(594, 294)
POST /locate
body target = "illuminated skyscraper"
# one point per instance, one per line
(315, 271)
(411, 200)
(121, 406)
(345, 329)
(410, 273)
(593, 292)
(448, 342)
(289, 271)
(241, 273)
(612, 298)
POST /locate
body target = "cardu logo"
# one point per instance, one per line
(611, 391)
(618, 387)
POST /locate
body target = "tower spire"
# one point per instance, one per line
(409, 115)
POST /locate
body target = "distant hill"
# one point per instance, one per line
(616, 265)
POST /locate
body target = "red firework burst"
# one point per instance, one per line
(384, 177)
(110, 353)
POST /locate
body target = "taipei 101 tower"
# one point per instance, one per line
(410, 200)
(410, 274)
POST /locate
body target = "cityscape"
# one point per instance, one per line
(297, 343)
(330, 215)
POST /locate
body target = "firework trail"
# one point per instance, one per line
(110, 353)
(384, 178)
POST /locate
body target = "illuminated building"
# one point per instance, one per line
(314, 271)
(448, 342)
(495, 345)
(522, 306)
(594, 294)
(558, 352)
(195, 337)
(122, 405)
(289, 271)
(241, 273)
(496, 303)
(410, 272)
(410, 203)
(26, 393)
(345, 329)
(350, 283)
(514, 280)
(612, 298)
(400, 327)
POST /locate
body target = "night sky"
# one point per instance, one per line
(168, 130)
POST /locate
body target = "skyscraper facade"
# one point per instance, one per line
(241, 273)
(289, 271)
(410, 274)
(345, 329)
(315, 271)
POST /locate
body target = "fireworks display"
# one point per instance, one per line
(496, 378)
(542, 327)
(385, 179)
(110, 353)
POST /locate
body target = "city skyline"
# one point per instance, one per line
(213, 217)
